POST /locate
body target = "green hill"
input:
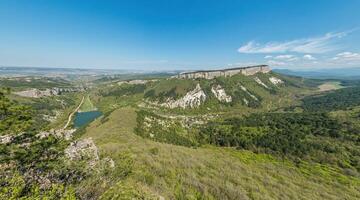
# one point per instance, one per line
(207, 172)
(288, 140)
(237, 94)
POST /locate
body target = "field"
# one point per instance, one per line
(176, 172)
(332, 85)
(87, 105)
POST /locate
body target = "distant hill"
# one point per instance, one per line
(339, 73)
(264, 91)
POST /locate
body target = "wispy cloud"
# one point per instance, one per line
(320, 44)
(344, 59)
(286, 57)
(347, 56)
(276, 63)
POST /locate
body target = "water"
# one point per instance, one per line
(83, 118)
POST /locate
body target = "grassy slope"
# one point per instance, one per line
(220, 173)
(87, 105)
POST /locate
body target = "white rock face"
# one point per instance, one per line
(261, 83)
(83, 149)
(251, 95)
(220, 94)
(246, 101)
(275, 80)
(192, 99)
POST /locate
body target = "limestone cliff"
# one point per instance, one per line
(220, 94)
(192, 99)
(275, 80)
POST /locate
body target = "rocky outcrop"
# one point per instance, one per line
(251, 95)
(84, 149)
(5, 139)
(275, 80)
(245, 101)
(136, 82)
(260, 82)
(60, 133)
(36, 93)
(192, 99)
(210, 74)
(220, 94)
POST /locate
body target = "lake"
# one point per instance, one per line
(83, 118)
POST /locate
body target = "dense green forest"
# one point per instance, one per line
(334, 100)
(309, 136)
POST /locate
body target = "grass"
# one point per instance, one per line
(208, 172)
(87, 105)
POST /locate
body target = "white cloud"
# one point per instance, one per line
(309, 57)
(276, 63)
(320, 44)
(288, 58)
(347, 56)
(268, 56)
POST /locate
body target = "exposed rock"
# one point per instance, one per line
(44, 180)
(275, 80)
(210, 74)
(135, 82)
(52, 118)
(109, 162)
(246, 101)
(261, 83)
(60, 133)
(192, 99)
(220, 94)
(5, 139)
(36, 93)
(251, 95)
(84, 149)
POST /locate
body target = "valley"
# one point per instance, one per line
(258, 136)
(179, 100)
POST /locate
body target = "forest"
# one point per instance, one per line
(308, 136)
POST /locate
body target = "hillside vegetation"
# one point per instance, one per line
(266, 136)
(207, 172)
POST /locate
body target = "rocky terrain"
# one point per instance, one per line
(36, 93)
(220, 94)
(192, 99)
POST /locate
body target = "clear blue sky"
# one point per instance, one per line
(180, 34)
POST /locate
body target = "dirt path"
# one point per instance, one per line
(71, 114)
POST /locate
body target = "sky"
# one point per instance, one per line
(180, 34)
